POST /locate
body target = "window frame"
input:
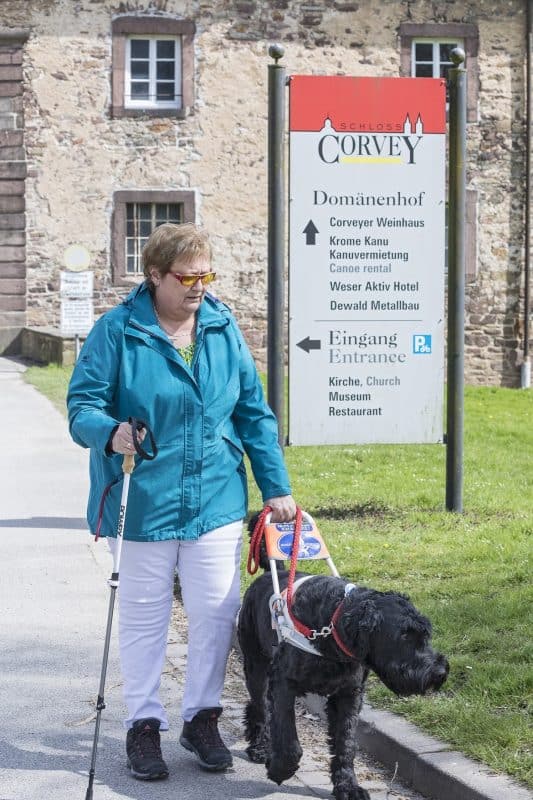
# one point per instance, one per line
(435, 61)
(185, 198)
(452, 31)
(124, 28)
(130, 102)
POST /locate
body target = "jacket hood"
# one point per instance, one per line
(212, 312)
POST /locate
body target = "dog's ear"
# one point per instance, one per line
(418, 624)
(360, 621)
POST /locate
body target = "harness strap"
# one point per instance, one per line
(310, 634)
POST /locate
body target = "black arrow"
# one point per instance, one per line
(310, 231)
(308, 344)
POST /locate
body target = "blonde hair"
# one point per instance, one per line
(169, 242)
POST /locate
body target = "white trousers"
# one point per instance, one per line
(209, 574)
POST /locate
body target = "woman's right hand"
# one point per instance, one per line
(122, 441)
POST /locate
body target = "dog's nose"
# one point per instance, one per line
(441, 672)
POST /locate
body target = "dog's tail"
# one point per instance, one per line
(264, 563)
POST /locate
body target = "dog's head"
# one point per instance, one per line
(386, 631)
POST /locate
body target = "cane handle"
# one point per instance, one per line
(128, 465)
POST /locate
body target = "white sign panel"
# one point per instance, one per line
(367, 246)
(76, 284)
(77, 312)
(77, 316)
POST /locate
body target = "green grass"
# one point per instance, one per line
(381, 511)
(52, 381)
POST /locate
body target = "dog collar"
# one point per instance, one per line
(327, 630)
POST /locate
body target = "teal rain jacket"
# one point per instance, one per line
(203, 420)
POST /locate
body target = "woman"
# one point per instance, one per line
(172, 354)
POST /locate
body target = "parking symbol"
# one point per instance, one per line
(422, 343)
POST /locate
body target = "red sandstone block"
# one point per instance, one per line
(10, 89)
(12, 170)
(15, 269)
(12, 302)
(12, 254)
(10, 138)
(11, 188)
(11, 204)
(11, 222)
(12, 286)
(10, 73)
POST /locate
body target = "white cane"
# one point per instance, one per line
(128, 465)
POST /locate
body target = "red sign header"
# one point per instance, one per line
(382, 105)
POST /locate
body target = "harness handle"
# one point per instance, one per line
(255, 546)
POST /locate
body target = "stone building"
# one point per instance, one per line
(115, 116)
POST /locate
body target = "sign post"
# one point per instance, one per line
(276, 238)
(456, 285)
(367, 250)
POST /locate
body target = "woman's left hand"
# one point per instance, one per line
(283, 508)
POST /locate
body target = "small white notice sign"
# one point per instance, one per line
(77, 311)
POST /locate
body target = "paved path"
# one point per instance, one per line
(53, 601)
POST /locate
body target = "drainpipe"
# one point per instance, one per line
(525, 376)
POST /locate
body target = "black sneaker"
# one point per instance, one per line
(143, 746)
(201, 736)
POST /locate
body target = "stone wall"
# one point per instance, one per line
(12, 175)
(78, 155)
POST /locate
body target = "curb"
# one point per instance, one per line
(426, 764)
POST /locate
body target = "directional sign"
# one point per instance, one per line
(366, 275)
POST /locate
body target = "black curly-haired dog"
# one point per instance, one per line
(383, 632)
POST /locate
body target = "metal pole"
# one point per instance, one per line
(525, 373)
(276, 238)
(456, 282)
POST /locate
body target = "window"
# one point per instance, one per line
(153, 72)
(153, 66)
(141, 220)
(136, 214)
(425, 53)
(431, 59)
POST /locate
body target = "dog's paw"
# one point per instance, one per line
(256, 753)
(281, 769)
(351, 793)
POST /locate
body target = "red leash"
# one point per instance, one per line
(294, 555)
(255, 546)
(255, 542)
